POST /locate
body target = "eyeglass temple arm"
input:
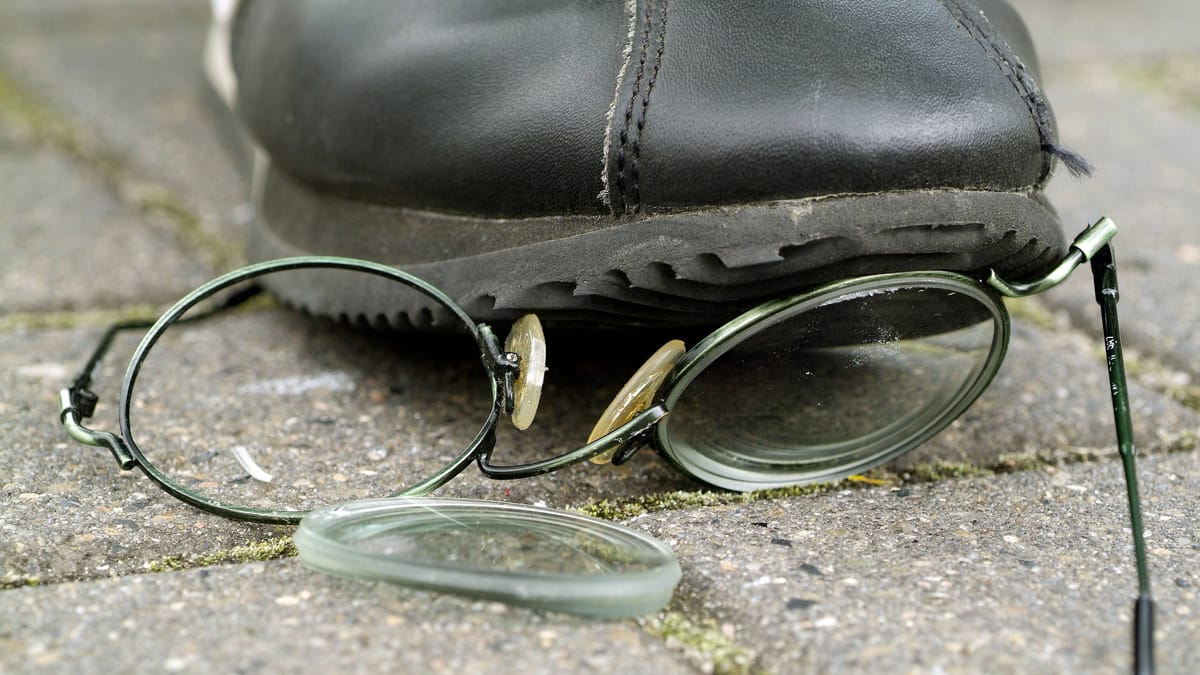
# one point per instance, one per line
(78, 402)
(1104, 273)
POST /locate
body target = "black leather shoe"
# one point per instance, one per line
(652, 161)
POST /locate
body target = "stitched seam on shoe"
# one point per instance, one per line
(627, 118)
(1010, 64)
(634, 171)
(629, 152)
(626, 57)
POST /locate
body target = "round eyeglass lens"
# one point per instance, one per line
(263, 409)
(829, 384)
(521, 554)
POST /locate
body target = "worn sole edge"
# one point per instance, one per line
(691, 268)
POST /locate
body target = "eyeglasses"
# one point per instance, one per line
(810, 388)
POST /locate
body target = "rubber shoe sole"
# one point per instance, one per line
(698, 267)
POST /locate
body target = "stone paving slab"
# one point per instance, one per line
(1121, 79)
(1030, 572)
(1019, 573)
(280, 617)
(71, 245)
(1112, 31)
(152, 117)
(1051, 400)
(66, 510)
(1145, 179)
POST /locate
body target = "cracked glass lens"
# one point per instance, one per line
(268, 408)
(841, 383)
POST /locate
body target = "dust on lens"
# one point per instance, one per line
(846, 384)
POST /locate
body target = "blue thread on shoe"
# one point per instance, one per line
(1075, 163)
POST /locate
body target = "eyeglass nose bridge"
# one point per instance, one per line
(622, 441)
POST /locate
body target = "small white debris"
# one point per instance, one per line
(242, 455)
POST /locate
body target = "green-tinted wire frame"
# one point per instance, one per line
(78, 402)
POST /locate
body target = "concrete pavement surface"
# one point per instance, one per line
(1001, 546)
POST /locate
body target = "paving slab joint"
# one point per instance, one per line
(12, 581)
(1179, 441)
(1147, 370)
(103, 318)
(1033, 311)
(271, 549)
(63, 320)
(1155, 374)
(625, 509)
(702, 641)
(1175, 76)
(929, 472)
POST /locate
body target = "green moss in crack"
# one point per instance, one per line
(223, 253)
(1034, 312)
(84, 319)
(271, 549)
(11, 582)
(702, 641)
(671, 501)
(928, 472)
(1019, 461)
(1150, 372)
(1184, 441)
(45, 126)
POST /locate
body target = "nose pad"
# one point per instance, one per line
(528, 341)
(638, 393)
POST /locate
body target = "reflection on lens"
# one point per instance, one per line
(270, 409)
(835, 384)
(525, 555)
(512, 544)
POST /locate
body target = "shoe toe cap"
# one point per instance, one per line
(805, 99)
(537, 107)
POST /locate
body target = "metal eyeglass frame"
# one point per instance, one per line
(78, 402)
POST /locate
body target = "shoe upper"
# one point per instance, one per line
(541, 107)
